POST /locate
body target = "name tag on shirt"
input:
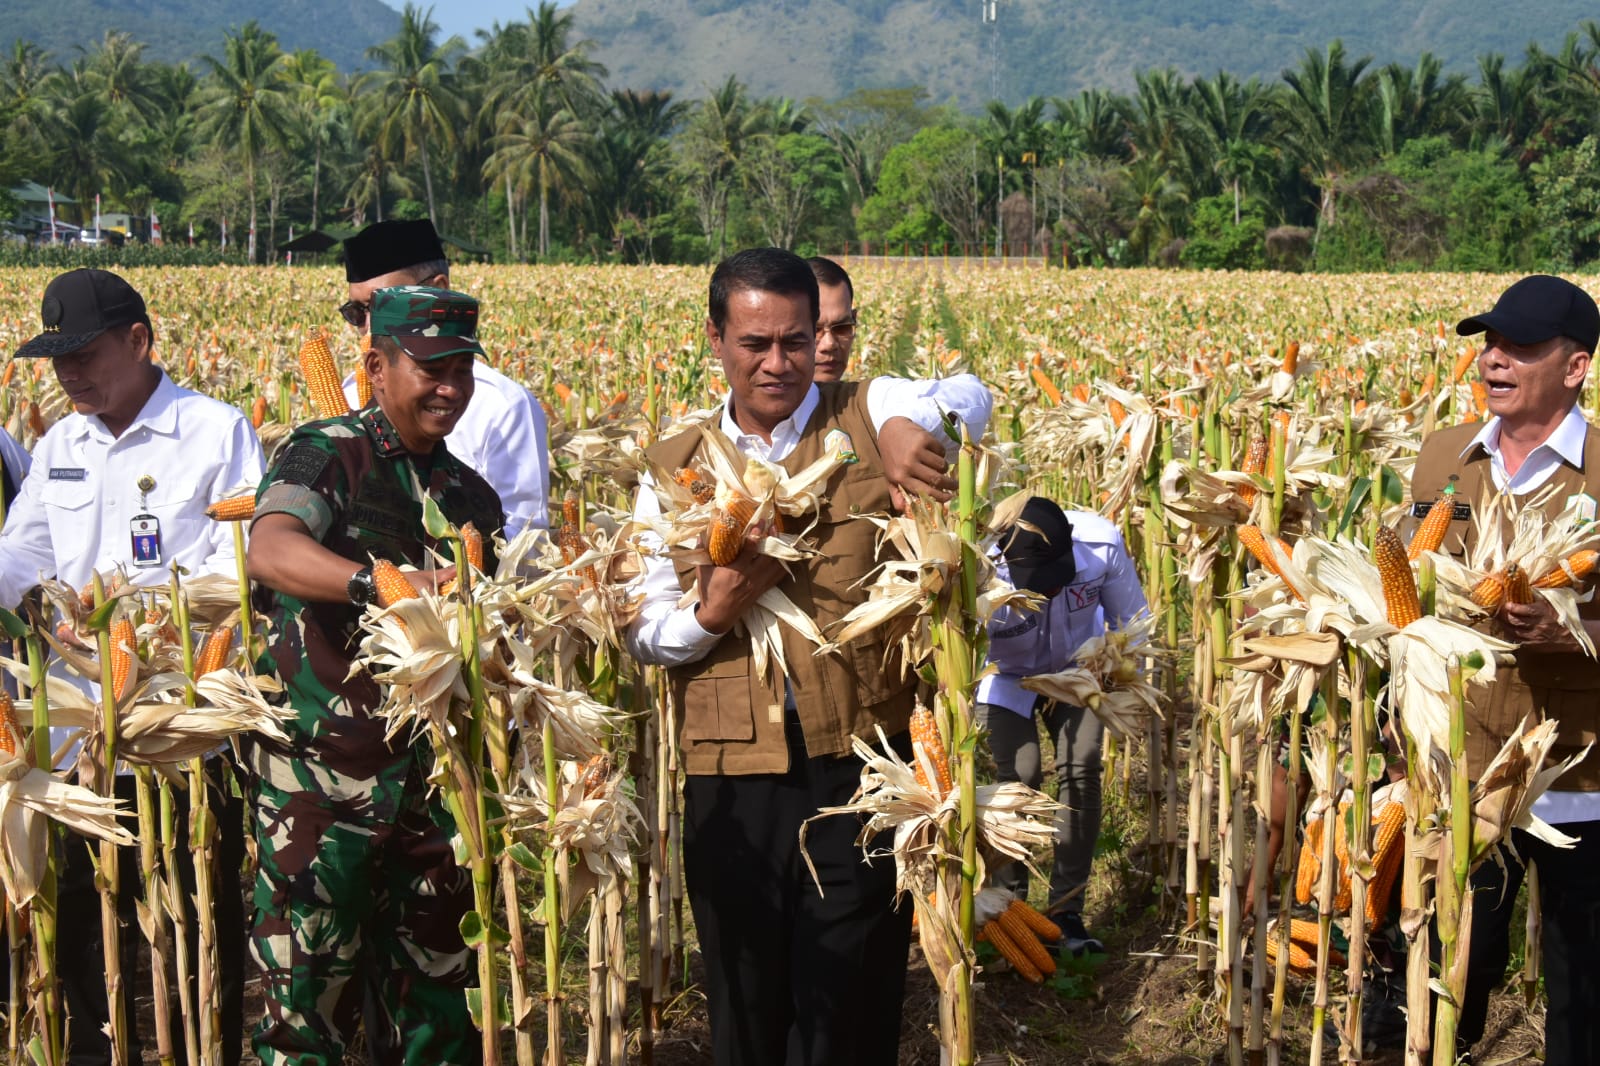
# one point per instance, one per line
(1420, 509)
(68, 473)
(146, 532)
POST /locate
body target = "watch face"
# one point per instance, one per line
(361, 587)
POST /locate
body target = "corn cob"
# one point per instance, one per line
(592, 777)
(1480, 398)
(1343, 894)
(1579, 565)
(1310, 867)
(472, 549)
(214, 652)
(1119, 413)
(123, 648)
(1518, 590)
(1037, 923)
(1019, 933)
(1463, 364)
(322, 377)
(1256, 542)
(1291, 358)
(363, 385)
(723, 537)
(927, 745)
(391, 583)
(1255, 461)
(1300, 960)
(695, 480)
(258, 411)
(1490, 593)
(571, 508)
(1012, 952)
(1399, 584)
(238, 508)
(1430, 534)
(10, 728)
(35, 419)
(1388, 849)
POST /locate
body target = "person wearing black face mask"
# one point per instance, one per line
(1079, 563)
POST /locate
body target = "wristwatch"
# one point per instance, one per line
(361, 588)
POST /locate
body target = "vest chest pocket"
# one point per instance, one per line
(716, 703)
(876, 680)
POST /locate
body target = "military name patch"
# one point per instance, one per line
(68, 473)
(378, 519)
(1420, 509)
(303, 464)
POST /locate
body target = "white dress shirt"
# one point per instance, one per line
(73, 516)
(1105, 591)
(665, 634)
(1564, 445)
(503, 435)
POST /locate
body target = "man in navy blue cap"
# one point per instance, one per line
(1539, 340)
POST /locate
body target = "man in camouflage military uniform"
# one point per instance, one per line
(357, 873)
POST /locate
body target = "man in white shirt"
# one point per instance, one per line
(503, 434)
(794, 976)
(1080, 564)
(122, 485)
(1538, 344)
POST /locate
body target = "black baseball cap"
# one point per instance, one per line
(384, 247)
(1539, 307)
(80, 305)
(1039, 551)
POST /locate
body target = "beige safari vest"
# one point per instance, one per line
(1564, 686)
(732, 720)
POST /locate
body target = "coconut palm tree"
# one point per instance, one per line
(1325, 115)
(322, 111)
(247, 104)
(547, 149)
(422, 108)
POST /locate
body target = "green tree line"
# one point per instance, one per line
(516, 143)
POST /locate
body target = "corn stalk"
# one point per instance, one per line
(106, 875)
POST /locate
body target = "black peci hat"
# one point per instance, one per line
(384, 247)
(80, 305)
(1537, 308)
(1039, 550)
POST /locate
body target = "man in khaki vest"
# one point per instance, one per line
(793, 976)
(1539, 340)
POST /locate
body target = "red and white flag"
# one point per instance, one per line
(155, 227)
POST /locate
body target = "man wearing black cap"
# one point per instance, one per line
(1080, 565)
(1538, 343)
(358, 883)
(139, 454)
(503, 435)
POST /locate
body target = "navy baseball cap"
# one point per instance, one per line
(1539, 307)
(80, 305)
(1039, 550)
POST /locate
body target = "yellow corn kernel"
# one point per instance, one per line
(1399, 584)
(723, 538)
(1019, 933)
(1518, 589)
(123, 647)
(1037, 923)
(927, 745)
(10, 728)
(391, 583)
(1256, 542)
(1490, 593)
(214, 652)
(322, 376)
(363, 385)
(1388, 849)
(1430, 534)
(1291, 358)
(1011, 951)
(240, 508)
(1579, 565)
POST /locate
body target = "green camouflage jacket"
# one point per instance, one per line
(358, 491)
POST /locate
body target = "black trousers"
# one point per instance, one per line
(1569, 895)
(794, 976)
(80, 957)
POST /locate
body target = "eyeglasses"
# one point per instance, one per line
(842, 331)
(355, 312)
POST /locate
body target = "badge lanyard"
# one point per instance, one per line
(145, 528)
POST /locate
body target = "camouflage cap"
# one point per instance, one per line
(427, 323)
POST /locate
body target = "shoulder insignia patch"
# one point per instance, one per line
(303, 464)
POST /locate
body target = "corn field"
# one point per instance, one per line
(1252, 435)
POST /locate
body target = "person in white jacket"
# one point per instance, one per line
(1079, 563)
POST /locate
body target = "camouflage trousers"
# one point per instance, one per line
(343, 903)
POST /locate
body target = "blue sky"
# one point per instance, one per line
(464, 16)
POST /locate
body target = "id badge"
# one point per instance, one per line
(146, 532)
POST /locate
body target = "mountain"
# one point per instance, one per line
(826, 48)
(175, 30)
